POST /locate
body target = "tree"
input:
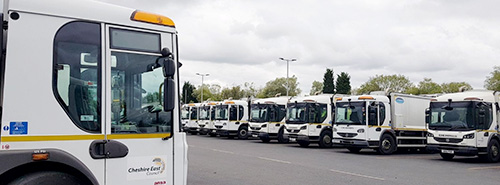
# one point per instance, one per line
(207, 94)
(453, 87)
(278, 86)
(187, 93)
(427, 86)
(316, 87)
(234, 92)
(493, 82)
(390, 83)
(249, 90)
(328, 85)
(343, 83)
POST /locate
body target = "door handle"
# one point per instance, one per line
(101, 149)
(378, 129)
(277, 125)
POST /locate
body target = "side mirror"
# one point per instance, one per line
(427, 115)
(481, 116)
(169, 94)
(168, 62)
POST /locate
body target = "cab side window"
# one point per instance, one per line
(77, 74)
(241, 112)
(323, 113)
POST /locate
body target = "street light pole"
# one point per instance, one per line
(287, 69)
(202, 76)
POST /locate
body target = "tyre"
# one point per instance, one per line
(354, 150)
(47, 178)
(243, 132)
(211, 134)
(447, 156)
(203, 132)
(303, 143)
(281, 136)
(325, 139)
(493, 153)
(193, 132)
(387, 145)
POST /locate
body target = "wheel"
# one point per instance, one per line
(47, 178)
(281, 136)
(493, 154)
(303, 143)
(203, 132)
(354, 150)
(193, 132)
(211, 134)
(265, 140)
(325, 139)
(243, 132)
(447, 156)
(387, 145)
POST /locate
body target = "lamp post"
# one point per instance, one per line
(202, 76)
(287, 61)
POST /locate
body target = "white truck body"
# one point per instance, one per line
(207, 118)
(466, 124)
(231, 118)
(377, 122)
(309, 120)
(267, 118)
(82, 84)
(191, 124)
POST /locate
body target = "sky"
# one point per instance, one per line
(238, 41)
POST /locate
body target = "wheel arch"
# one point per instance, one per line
(19, 162)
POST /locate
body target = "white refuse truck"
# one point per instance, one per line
(231, 118)
(267, 119)
(465, 124)
(88, 95)
(191, 124)
(309, 120)
(383, 123)
(207, 118)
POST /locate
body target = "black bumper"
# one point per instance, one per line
(457, 150)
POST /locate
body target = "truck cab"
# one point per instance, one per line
(267, 119)
(308, 120)
(206, 119)
(191, 124)
(89, 95)
(465, 124)
(231, 118)
(380, 122)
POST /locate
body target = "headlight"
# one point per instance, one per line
(264, 125)
(334, 129)
(303, 127)
(430, 134)
(361, 130)
(469, 136)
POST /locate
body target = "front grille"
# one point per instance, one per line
(202, 126)
(347, 134)
(255, 128)
(448, 140)
(293, 131)
(216, 126)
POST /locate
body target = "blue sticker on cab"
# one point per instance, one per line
(400, 100)
(18, 128)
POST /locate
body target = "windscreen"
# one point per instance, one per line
(296, 113)
(350, 113)
(185, 113)
(221, 112)
(460, 116)
(259, 113)
(205, 113)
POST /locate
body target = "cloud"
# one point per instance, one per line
(240, 41)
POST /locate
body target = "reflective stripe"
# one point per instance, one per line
(411, 129)
(369, 126)
(82, 137)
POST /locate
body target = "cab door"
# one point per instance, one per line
(136, 123)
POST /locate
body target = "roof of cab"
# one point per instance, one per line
(85, 10)
(485, 95)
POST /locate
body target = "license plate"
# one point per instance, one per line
(214, 131)
(447, 151)
(254, 135)
(336, 141)
(293, 139)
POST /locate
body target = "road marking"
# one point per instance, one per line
(223, 151)
(484, 168)
(275, 160)
(359, 175)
